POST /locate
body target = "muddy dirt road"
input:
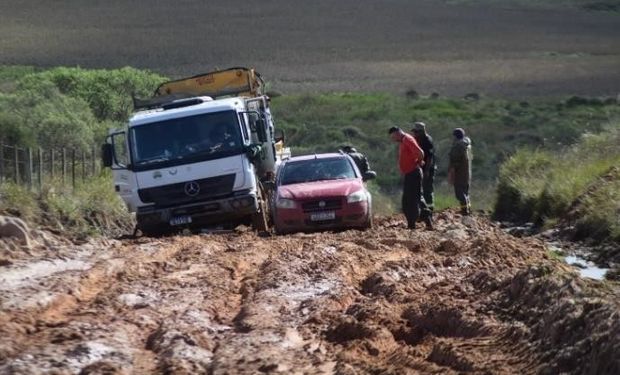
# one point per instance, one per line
(465, 298)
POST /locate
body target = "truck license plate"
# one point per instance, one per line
(180, 220)
(322, 216)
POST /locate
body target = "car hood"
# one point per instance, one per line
(319, 189)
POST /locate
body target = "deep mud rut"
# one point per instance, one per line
(464, 298)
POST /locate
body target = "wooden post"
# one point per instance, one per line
(73, 168)
(83, 166)
(40, 168)
(16, 160)
(29, 172)
(64, 166)
(94, 162)
(1, 162)
(52, 163)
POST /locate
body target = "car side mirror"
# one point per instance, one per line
(107, 155)
(369, 175)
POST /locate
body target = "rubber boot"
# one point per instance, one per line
(465, 210)
(429, 222)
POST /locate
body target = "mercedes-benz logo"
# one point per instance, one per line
(192, 188)
(321, 203)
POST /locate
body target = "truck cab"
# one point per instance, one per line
(191, 159)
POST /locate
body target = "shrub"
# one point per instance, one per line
(107, 92)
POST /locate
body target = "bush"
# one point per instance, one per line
(108, 93)
(67, 107)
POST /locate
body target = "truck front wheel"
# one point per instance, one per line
(260, 219)
(151, 229)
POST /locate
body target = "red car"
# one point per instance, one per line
(321, 191)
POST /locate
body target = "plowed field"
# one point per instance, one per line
(464, 298)
(303, 46)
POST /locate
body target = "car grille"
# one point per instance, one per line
(173, 194)
(328, 205)
(333, 222)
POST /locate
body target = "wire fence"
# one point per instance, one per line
(34, 167)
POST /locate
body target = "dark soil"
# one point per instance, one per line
(347, 45)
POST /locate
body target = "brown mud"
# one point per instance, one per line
(464, 298)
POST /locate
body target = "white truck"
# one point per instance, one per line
(202, 151)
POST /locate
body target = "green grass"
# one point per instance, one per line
(73, 107)
(93, 208)
(322, 123)
(580, 185)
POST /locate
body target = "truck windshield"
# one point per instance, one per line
(310, 170)
(186, 139)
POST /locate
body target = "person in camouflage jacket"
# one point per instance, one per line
(459, 170)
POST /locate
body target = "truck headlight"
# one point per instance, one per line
(285, 203)
(358, 196)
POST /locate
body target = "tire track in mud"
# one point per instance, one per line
(75, 319)
(383, 301)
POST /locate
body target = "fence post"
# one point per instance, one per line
(29, 173)
(16, 161)
(52, 163)
(83, 166)
(64, 166)
(94, 163)
(1, 162)
(73, 168)
(40, 168)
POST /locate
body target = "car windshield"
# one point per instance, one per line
(204, 136)
(295, 172)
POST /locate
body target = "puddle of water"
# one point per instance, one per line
(586, 268)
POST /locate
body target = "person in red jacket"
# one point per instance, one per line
(410, 162)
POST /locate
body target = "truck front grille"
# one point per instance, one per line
(174, 194)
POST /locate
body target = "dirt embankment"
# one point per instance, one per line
(465, 298)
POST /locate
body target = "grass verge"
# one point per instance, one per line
(579, 187)
(92, 209)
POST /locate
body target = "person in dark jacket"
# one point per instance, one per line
(410, 161)
(459, 170)
(428, 170)
(360, 159)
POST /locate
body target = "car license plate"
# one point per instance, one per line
(180, 220)
(322, 216)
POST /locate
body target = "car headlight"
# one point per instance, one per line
(358, 196)
(285, 203)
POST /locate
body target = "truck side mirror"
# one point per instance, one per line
(107, 155)
(261, 132)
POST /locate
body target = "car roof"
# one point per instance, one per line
(330, 155)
